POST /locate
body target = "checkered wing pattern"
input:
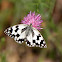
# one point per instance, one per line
(15, 32)
(36, 40)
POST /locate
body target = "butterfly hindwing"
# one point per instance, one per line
(29, 40)
(35, 40)
(17, 32)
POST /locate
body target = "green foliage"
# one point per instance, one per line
(3, 57)
(2, 42)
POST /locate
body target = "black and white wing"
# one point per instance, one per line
(35, 39)
(17, 32)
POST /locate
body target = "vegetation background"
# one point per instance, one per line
(13, 11)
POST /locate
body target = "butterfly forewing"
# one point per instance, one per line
(16, 32)
(38, 39)
(35, 40)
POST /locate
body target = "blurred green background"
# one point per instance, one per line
(13, 11)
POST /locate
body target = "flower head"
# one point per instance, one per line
(33, 19)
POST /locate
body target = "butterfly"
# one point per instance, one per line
(27, 33)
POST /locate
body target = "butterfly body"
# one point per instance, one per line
(23, 32)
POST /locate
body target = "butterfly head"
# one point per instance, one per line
(31, 24)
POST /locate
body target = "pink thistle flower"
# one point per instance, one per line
(33, 19)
